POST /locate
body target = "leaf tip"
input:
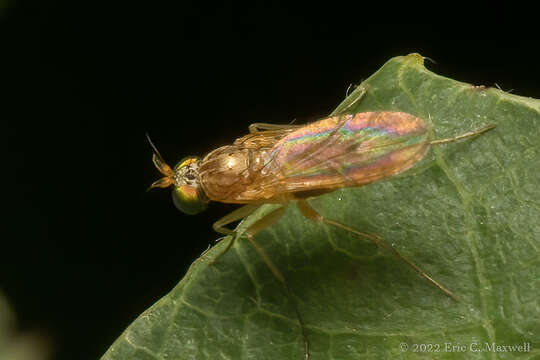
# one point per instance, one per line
(415, 59)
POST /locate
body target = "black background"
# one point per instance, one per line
(84, 248)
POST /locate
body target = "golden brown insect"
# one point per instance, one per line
(283, 163)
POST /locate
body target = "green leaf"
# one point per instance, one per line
(468, 214)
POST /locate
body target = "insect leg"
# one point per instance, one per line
(463, 136)
(351, 85)
(238, 214)
(258, 127)
(363, 92)
(311, 214)
(255, 228)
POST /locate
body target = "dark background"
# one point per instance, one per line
(84, 248)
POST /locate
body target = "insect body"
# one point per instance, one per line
(274, 165)
(282, 163)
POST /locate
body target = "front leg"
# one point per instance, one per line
(238, 214)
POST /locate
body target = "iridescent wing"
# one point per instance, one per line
(345, 151)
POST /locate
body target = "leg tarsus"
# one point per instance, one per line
(464, 136)
(229, 245)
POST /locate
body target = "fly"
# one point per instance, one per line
(283, 163)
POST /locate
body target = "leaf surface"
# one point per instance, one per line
(468, 214)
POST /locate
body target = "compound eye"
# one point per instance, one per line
(187, 194)
(186, 198)
(190, 176)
